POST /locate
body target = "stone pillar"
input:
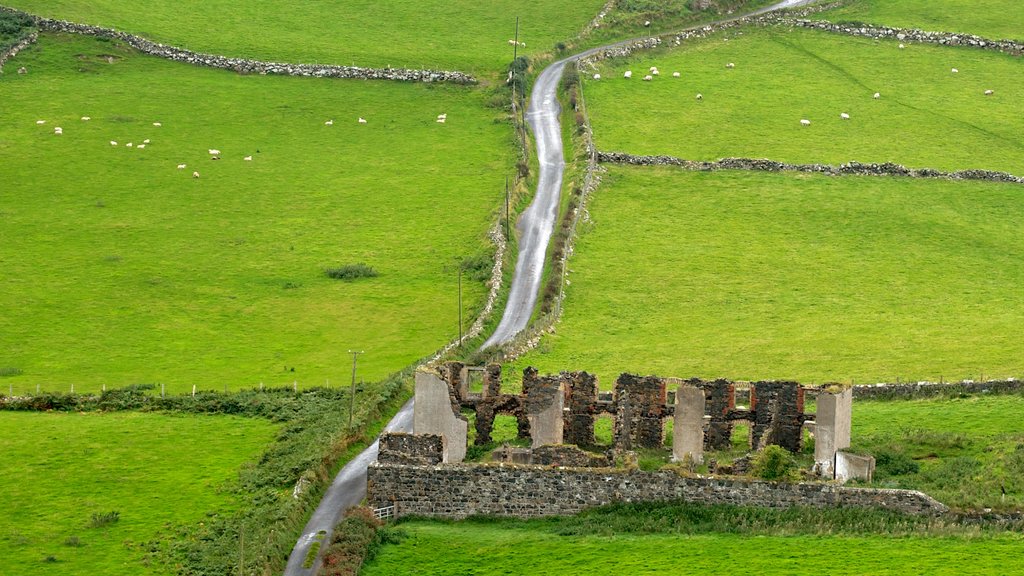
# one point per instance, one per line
(453, 374)
(720, 396)
(640, 408)
(832, 428)
(437, 412)
(544, 400)
(777, 413)
(579, 422)
(688, 424)
(492, 381)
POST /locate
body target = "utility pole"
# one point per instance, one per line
(352, 396)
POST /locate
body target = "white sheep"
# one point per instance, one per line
(146, 141)
(700, 96)
(181, 166)
(86, 118)
(648, 78)
(442, 116)
(844, 115)
(140, 146)
(730, 65)
(247, 158)
(157, 124)
(647, 23)
(58, 130)
(113, 142)
(214, 152)
(362, 120)
(989, 92)
(628, 74)
(675, 74)
(441, 120)
(877, 96)
(329, 123)
(512, 42)
(195, 174)
(40, 121)
(954, 70)
(655, 72)
(128, 145)
(902, 46)
(805, 122)
(597, 76)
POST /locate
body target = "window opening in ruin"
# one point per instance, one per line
(506, 430)
(668, 424)
(475, 380)
(741, 436)
(603, 425)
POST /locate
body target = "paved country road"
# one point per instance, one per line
(535, 227)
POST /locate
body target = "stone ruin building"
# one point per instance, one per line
(556, 410)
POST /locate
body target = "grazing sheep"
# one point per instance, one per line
(844, 115)
(805, 122)
(113, 142)
(597, 76)
(247, 158)
(954, 70)
(58, 130)
(628, 74)
(989, 92)
(22, 70)
(329, 123)
(157, 124)
(40, 121)
(902, 46)
(214, 152)
(195, 174)
(181, 166)
(877, 96)
(140, 146)
(647, 23)
(655, 72)
(675, 74)
(442, 116)
(86, 118)
(128, 145)
(362, 120)
(730, 65)
(648, 78)
(700, 96)
(146, 141)
(441, 120)
(512, 42)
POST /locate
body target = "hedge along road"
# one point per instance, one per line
(535, 227)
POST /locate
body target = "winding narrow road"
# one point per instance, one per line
(535, 227)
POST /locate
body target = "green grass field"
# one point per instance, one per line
(462, 35)
(504, 548)
(927, 116)
(761, 276)
(157, 471)
(118, 268)
(993, 19)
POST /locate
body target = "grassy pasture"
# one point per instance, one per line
(158, 471)
(760, 276)
(462, 35)
(499, 547)
(994, 19)
(927, 116)
(118, 268)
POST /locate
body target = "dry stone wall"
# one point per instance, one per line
(927, 389)
(764, 165)
(17, 47)
(245, 65)
(908, 35)
(458, 491)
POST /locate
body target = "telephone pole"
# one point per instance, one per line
(352, 395)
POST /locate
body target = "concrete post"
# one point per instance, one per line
(688, 424)
(832, 428)
(436, 412)
(544, 401)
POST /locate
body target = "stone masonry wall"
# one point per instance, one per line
(927, 389)
(246, 66)
(851, 168)
(410, 449)
(909, 35)
(458, 491)
(18, 47)
(640, 410)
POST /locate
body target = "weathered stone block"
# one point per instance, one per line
(437, 412)
(688, 424)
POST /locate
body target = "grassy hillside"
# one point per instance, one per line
(463, 35)
(485, 548)
(118, 268)
(927, 116)
(756, 276)
(995, 19)
(157, 471)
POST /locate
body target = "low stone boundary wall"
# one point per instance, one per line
(18, 47)
(909, 35)
(929, 389)
(458, 491)
(244, 65)
(764, 165)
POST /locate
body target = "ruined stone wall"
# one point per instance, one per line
(850, 168)
(639, 411)
(777, 410)
(581, 389)
(17, 47)
(930, 389)
(909, 35)
(410, 449)
(458, 491)
(720, 399)
(247, 66)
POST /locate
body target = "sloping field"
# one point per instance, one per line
(993, 19)
(158, 472)
(761, 276)
(926, 116)
(439, 34)
(480, 548)
(119, 268)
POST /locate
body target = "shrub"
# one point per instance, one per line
(9, 371)
(351, 272)
(775, 463)
(890, 463)
(478, 268)
(101, 519)
(351, 544)
(72, 541)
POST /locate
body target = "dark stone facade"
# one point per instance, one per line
(777, 415)
(567, 455)
(640, 407)
(410, 449)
